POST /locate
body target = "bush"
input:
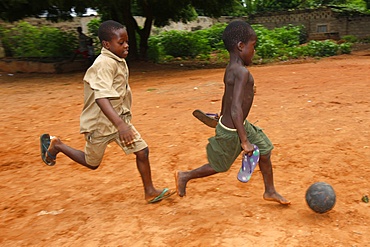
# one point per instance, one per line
(213, 35)
(272, 45)
(26, 41)
(93, 27)
(267, 48)
(325, 48)
(184, 44)
(282, 43)
(345, 48)
(350, 38)
(279, 42)
(303, 34)
(365, 40)
(155, 49)
(287, 36)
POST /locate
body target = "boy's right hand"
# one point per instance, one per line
(126, 134)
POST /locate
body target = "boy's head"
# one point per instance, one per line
(113, 36)
(107, 30)
(235, 32)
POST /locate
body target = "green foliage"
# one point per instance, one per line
(160, 13)
(303, 34)
(25, 41)
(286, 43)
(236, 9)
(213, 35)
(93, 27)
(155, 50)
(266, 48)
(365, 39)
(350, 38)
(277, 42)
(282, 43)
(345, 48)
(276, 5)
(323, 49)
(183, 44)
(186, 44)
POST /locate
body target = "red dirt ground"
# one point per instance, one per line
(317, 115)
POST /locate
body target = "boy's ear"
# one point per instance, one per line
(105, 44)
(240, 45)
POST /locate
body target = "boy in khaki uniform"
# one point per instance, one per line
(106, 116)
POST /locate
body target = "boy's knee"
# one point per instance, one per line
(92, 164)
(92, 167)
(265, 156)
(223, 170)
(220, 168)
(143, 153)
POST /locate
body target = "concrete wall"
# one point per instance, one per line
(201, 22)
(337, 25)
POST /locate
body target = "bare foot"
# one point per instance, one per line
(276, 197)
(180, 184)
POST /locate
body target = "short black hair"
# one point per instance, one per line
(235, 32)
(107, 28)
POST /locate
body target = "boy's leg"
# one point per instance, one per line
(259, 138)
(182, 178)
(143, 165)
(268, 179)
(56, 146)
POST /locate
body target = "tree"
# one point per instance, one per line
(156, 12)
(276, 5)
(354, 4)
(14, 10)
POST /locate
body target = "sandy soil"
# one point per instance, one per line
(317, 114)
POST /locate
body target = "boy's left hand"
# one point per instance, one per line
(126, 134)
(248, 148)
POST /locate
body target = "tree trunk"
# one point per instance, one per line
(367, 4)
(130, 23)
(145, 32)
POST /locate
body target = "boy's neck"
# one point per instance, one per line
(235, 59)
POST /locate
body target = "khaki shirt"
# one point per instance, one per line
(106, 78)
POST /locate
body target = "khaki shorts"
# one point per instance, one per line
(95, 145)
(224, 147)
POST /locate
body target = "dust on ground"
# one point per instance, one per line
(317, 115)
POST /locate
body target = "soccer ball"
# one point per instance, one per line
(320, 197)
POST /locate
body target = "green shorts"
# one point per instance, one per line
(224, 147)
(96, 144)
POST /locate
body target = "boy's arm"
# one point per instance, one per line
(222, 104)
(237, 113)
(125, 132)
